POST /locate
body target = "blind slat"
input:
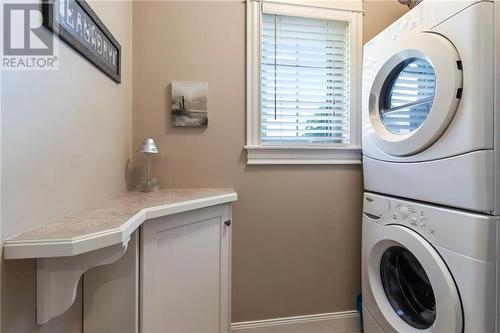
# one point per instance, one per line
(305, 80)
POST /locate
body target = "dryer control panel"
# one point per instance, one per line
(412, 20)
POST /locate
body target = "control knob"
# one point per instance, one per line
(404, 212)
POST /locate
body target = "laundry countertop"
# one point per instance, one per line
(110, 223)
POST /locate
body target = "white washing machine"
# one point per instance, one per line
(429, 126)
(428, 269)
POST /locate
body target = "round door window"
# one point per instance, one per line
(407, 287)
(407, 96)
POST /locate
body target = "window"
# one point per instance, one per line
(303, 80)
(303, 84)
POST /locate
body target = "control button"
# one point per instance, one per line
(404, 212)
(403, 25)
(423, 220)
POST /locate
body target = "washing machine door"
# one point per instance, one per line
(411, 284)
(415, 93)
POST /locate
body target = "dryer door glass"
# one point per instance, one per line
(411, 94)
(407, 287)
(407, 96)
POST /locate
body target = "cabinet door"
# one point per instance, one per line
(185, 261)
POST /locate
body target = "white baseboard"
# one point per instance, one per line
(335, 322)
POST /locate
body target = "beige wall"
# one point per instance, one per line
(297, 229)
(378, 15)
(66, 139)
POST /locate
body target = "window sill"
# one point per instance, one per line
(276, 155)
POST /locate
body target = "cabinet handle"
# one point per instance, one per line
(227, 223)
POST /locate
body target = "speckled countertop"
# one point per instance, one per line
(114, 220)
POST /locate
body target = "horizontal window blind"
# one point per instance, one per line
(305, 81)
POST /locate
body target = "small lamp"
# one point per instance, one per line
(148, 147)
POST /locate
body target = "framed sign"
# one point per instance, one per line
(78, 25)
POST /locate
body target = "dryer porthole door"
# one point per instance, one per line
(415, 94)
(411, 284)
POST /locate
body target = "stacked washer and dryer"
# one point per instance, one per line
(431, 163)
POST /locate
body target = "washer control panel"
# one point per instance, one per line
(406, 214)
(470, 234)
(395, 211)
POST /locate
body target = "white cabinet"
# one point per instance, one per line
(185, 272)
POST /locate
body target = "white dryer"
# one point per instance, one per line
(428, 269)
(429, 126)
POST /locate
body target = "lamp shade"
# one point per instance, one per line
(148, 146)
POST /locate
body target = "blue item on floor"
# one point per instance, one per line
(359, 307)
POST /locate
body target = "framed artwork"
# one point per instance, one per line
(74, 22)
(189, 104)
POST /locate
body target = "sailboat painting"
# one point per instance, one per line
(189, 104)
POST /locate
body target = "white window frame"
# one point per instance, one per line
(257, 153)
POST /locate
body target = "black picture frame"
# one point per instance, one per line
(48, 12)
